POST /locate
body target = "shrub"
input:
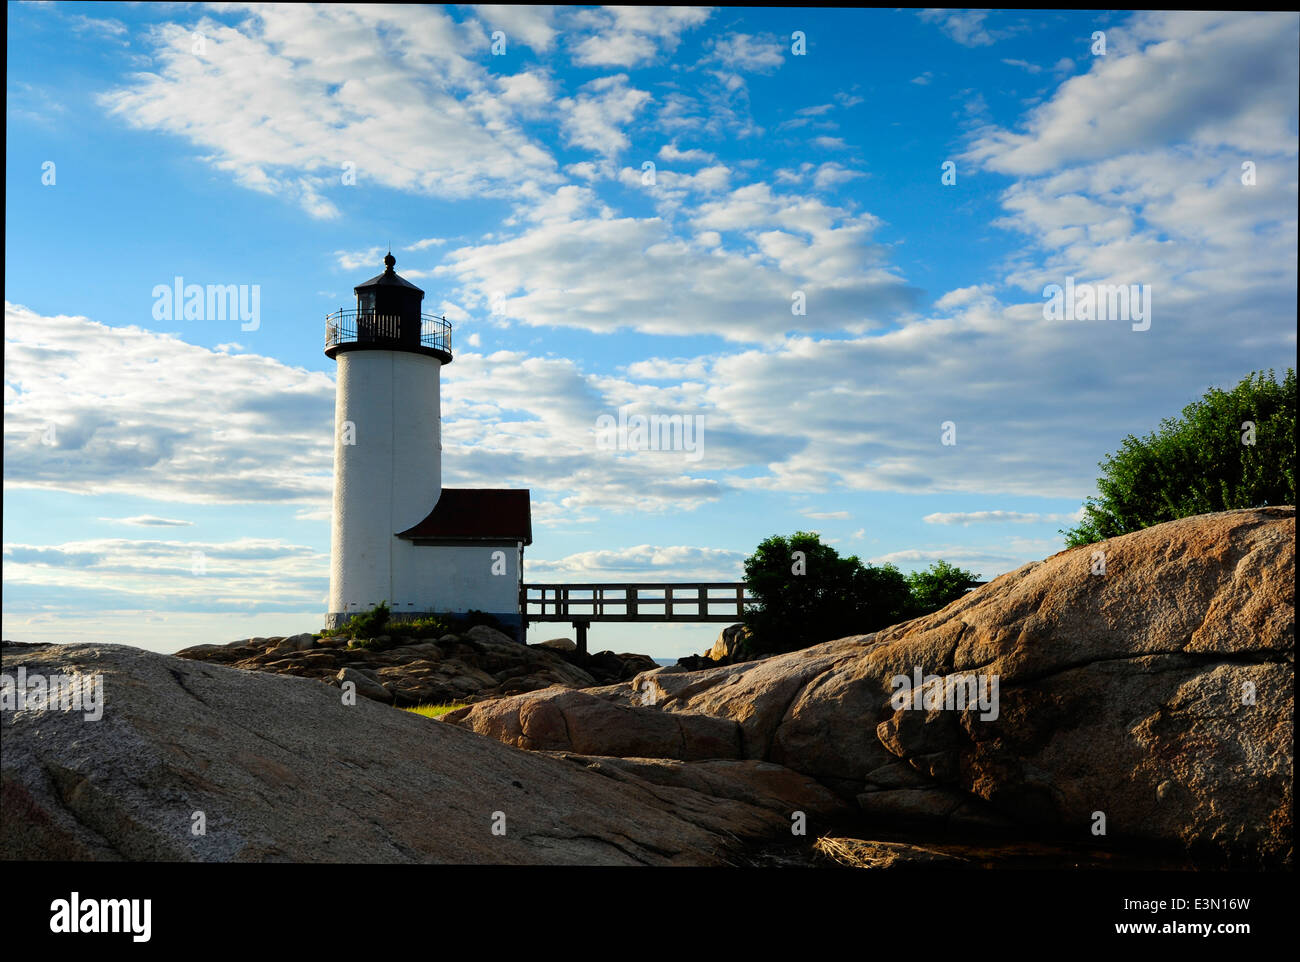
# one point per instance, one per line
(427, 626)
(814, 596)
(368, 623)
(1200, 462)
(363, 628)
(938, 586)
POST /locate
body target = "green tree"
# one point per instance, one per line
(938, 586)
(806, 594)
(1204, 461)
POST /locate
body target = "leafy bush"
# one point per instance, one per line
(821, 596)
(1200, 462)
(369, 623)
(938, 586)
(378, 621)
(426, 626)
(806, 594)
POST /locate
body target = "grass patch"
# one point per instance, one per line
(433, 711)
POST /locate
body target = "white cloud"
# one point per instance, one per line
(672, 189)
(583, 170)
(598, 117)
(660, 369)
(669, 153)
(1204, 79)
(150, 521)
(239, 575)
(145, 414)
(609, 274)
(987, 562)
(563, 204)
(993, 517)
(649, 562)
(741, 51)
(530, 93)
(964, 26)
(394, 91)
(96, 409)
(532, 25)
(371, 256)
(831, 174)
(104, 27)
(629, 36)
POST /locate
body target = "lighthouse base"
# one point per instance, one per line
(511, 622)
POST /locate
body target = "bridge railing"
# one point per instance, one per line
(635, 601)
(581, 604)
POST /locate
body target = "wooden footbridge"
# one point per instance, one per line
(581, 604)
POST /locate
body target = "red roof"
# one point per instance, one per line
(477, 514)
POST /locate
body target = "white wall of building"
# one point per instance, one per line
(389, 479)
(456, 578)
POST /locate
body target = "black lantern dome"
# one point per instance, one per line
(388, 318)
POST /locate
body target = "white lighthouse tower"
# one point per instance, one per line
(396, 536)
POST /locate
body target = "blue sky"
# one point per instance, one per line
(211, 143)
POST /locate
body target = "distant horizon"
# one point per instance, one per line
(595, 645)
(908, 275)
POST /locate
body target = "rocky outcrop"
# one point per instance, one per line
(481, 663)
(576, 721)
(194, 761)
(1153, 701)
(730, 645)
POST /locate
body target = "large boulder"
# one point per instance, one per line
(280, 768)
(762, 784)
(364, 684)
(730, 644)
(576, 721)
(1156, 697)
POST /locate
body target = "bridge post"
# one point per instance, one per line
(580, 629)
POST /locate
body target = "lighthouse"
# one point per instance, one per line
(397, 536)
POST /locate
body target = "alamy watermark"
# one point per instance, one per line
(1098, 302)
(654, 432)
(179, 301)
(35, 692)
(950, 693)
(75, 915)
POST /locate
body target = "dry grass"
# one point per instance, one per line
(433, 711)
